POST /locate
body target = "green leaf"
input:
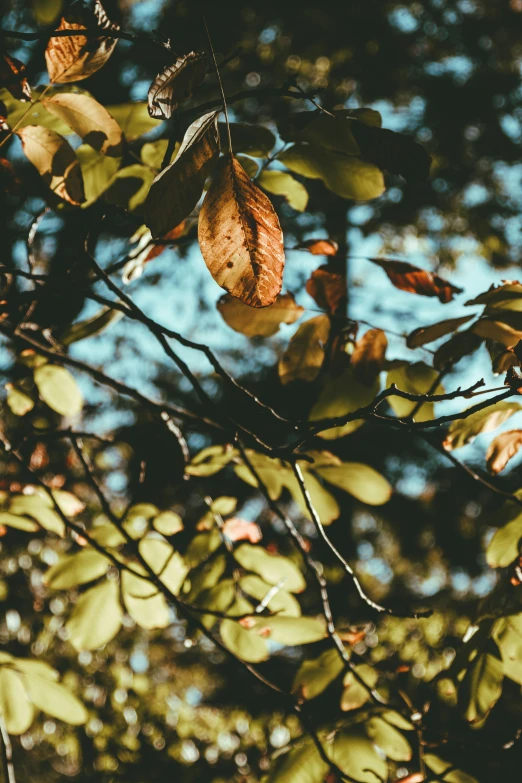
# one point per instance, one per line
(281, 602)
(15, 707)
(301, 764)
(463, 431)
(322, 130)
(54, 699)
(96, 618)
(323, 501)
(255, 140)
(482, 685)
(205, 576)
(58, 389)
(165, 562)
(356, 755)
(31, 666)
(211, 460)
(18, 401)
(272, 568)
(107, 535)
(259, 321)
(245, 644)
(346, 175)
(46, 11)
(316, 674)
(355, 694)
(78, 569)
(18, 522)
(168, 523)
(271, 472)
(249, 164)
(504, 297)
(97, 171)
(290, 631)
(34, 114)
(340, 395)
(147, 607)
(129, 187)
(153, 152)
(504, 547)
(133, 118)
(507, 633)
(202, 546)
(218, 598)
(388, 739)
(415, 378)
(304, 356)
(38, 507)
(439, 767)
(361, 481)
(281, 183)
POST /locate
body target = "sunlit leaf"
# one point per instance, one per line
(240, 236)
(77, 569)
(504, 548)
(463, 431)
(147, 607)
(18, 401)
(302, 763)
(58, 389)
(319, 247)
(368, 356)
(245, 644)
(12, 77)
(280, 601)
(272, 568)
(361, 481)
(326, 287)
(89, 120)
(391, 741)
(133, 118)
(281, 183)
(54, 699)
(39, 507)
(55, 161)
(130, 186)
(340, 395)
(16, 709)
(416, 378)
(354, 693)
(168, 523)
(288, 630)
(259, 322)
(412, 278)
(507, 633)
(482, 685)
(211, 460)
(315, 674)
(502, 449)
(446, 771)
(175, 84)
(96, 618)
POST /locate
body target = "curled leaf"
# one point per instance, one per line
(412, 278)
(175, 84)
(304, 356)
(55, 160)
(502, 449)
(75, 57)
(427, 334)
(257, 322)
(12, 77)
(240, 236)
(176, 190)
(327, 288)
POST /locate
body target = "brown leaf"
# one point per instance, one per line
(327, 288)
(158, 249)
(257, 322)
(178, 188)
(502, 449)
(415, 777)
(72, 58)
(12, 77)
(304, 356)
(498, 331)
(416, 280)
(9, 182)
(89, 119)
(504, 361)
(55, 160)
(460, 345)
(368, 356)
(4, 125)
(175, 84)
(319, 247)
(237, 529)
(427, 334)
(240, 236)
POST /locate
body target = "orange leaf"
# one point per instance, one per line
(416, 280)
(368, 356)
(502, 449)
(158, 249)
(327, 288)
(13, 79)
(237, 529)
(320, 247)
(240, 236)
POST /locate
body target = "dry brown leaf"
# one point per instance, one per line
(460, 345)
(416, 280)
(13, 79)
(327, 288)
(178, 188)
(175, 84)
(75, 57)
(237, 529)
(427, 334)
(502, 449)
(55, 160)
(304, 356)
(158, 249)
(89, 119)
(368, 356)
(319, 247)
(257, 322)
(240, 236)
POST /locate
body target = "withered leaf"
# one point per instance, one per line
(502, 449)
(391, 151)
(460, 345)
(75, 57)
(178, 188)
(503, 361)
(89, 119)
(427, 334)
(368, 356)
(304, 356)
(55, 160)
(259, 322)
(319, 247)
(240, 236)
(175, 84)
(12, 77)
(157, 249)
(412, 278)
(327, 288)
